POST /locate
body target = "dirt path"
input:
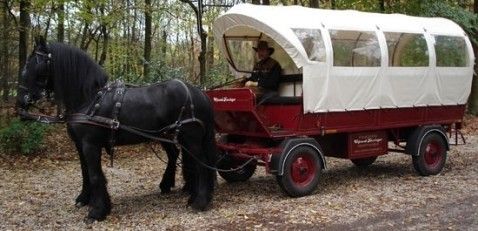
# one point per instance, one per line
(38, 193)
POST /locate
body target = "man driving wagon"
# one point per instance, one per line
(266, 73)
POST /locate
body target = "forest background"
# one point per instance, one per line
(145, 41)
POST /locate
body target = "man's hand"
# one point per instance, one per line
(251, 84)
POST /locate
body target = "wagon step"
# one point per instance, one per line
(455, 133)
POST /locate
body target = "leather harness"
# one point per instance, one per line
(112, 123)
(168, 134)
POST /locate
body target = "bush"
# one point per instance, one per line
(19, 137)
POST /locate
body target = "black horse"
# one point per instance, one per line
(172, 107)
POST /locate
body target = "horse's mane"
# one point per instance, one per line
(77, 76)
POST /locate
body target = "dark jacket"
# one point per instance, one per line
(267, 73)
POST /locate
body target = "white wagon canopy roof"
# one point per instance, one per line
(353, 60)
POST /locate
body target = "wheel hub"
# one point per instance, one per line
(303, 170)
(432, 154)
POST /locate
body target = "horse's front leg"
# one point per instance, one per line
(169, 176)
(99, 198)
(84, 197)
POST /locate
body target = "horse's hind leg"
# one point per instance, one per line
(99, 199)
(210, 154)
(188, 170)
(169, 176)
(202, 179)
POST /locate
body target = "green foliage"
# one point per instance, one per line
(20, 137)
(466, 19)
(175, 41)
(451, 51)
(218, 75)
(159, 71)
(363, 5)
(415, 52)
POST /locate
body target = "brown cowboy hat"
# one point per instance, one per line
(264, 45)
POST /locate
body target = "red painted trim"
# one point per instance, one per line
(238, 114)
(248, 149)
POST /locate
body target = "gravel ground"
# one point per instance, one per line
(38, 193)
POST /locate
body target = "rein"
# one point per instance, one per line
(46, 119)
(227, 83)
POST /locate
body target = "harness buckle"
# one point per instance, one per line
(115, 124)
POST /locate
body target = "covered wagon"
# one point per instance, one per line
(352, 85)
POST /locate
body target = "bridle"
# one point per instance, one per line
(43, 82)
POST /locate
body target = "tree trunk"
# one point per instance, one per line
(60, 11)
(202, 58)
(191, 55)
(332, 4)
(210, 52)
(127, 35)
(4, 56)
(203, 37)
(147, 38)
(473, 100)
(164, 44)
(382, 5)
(135, 17)
(256, 2)
(47, 27)
(24, 29)
(267, 2)
(84, 37)
(105, 36)
(314, 3)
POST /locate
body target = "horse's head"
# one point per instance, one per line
(37, 77)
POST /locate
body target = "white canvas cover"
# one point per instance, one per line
(344, 88)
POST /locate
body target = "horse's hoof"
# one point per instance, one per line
(89, 220)
(165, 191)
(99, 213)
(199, 208)
(82, 200)
(199, 205)
(186, 188)
(190, 201)
(79, 204)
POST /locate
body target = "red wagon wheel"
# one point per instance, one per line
(432, 155)
(302, 170)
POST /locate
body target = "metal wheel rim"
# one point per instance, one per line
(303, 170)
(433, 154)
